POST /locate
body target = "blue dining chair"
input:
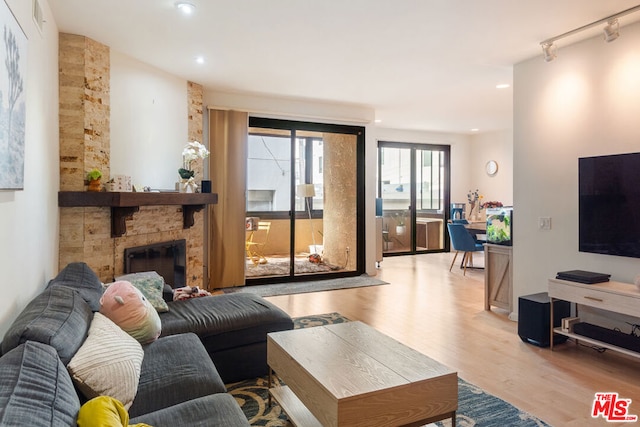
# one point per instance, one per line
(463, 241)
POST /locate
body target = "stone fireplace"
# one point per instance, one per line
(86, 232)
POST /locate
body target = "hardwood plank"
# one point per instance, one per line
(344, 371)
(441, 314)
(410, 364)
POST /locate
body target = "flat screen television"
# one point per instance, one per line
(609, 204)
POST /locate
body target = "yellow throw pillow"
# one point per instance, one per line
(105, 411)
(108, 363)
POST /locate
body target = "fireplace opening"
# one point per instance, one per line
(168, 259)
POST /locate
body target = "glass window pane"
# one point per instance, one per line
(268, 173)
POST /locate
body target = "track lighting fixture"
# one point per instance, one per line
(549, 51)
(611, 32)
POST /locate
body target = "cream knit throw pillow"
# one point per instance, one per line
(108, 363)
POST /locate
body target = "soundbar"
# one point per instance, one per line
(609, 336)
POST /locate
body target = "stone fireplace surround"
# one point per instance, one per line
(85, 232)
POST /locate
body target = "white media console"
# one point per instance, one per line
(617, 297)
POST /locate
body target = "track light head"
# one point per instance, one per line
(611, 30)
(549, 51)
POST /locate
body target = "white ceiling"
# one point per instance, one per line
(421, 64)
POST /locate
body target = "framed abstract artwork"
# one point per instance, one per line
(13, 72)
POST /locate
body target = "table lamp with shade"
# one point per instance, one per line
(308, 191)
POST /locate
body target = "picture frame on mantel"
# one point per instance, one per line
(13, 73)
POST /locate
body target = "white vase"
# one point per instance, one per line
(400, 229)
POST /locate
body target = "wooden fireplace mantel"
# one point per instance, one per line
(124, 204)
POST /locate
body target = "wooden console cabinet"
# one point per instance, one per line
(498, 276)
(617, 297)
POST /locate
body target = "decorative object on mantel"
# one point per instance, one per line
(94, 179)
(192, 151)
(119, 183)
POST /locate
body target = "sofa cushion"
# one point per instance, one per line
(219, 409)
(233, 329)
(59, 317)
(108, 363)
(36, 389)
(224, 316)
(174, 369)
(151, 284)
(79, 277)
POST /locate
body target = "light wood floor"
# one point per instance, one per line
(440, 313)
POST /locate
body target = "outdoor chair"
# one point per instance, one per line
(256, 241)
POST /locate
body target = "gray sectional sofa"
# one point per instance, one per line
(180, 379)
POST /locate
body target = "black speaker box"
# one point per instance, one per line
(533, 318)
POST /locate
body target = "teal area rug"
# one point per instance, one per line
(309, 286)
(475, 406)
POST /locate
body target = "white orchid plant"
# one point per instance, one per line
(192, 151)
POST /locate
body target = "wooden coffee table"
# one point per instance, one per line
(349, 374)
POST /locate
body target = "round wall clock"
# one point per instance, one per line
(491, 167)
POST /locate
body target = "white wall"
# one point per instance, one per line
(496, 146)
(585, 103)
(148, 122)
(29, 218)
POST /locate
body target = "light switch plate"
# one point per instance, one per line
(544, 223)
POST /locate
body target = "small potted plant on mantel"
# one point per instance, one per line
(94, 179)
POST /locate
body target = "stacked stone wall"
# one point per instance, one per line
(85, 232)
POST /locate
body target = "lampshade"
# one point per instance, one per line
(306, 190)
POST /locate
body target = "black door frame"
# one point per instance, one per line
(446, 149)
(293, 126)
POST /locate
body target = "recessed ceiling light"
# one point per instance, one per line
(378, 121)
(503, 86)
(186, 7)
(200, 59)
(475, 130)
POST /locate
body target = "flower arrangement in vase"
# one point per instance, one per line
(192, 151)
(491, 204)
(474, 197)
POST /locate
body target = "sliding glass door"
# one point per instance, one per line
(413, 183)
(304, 200)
